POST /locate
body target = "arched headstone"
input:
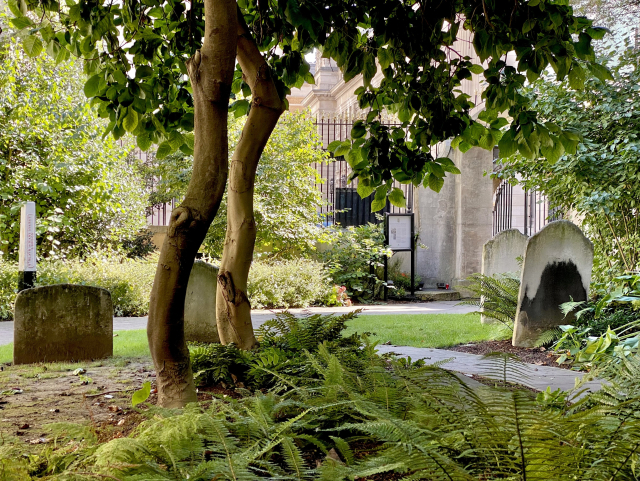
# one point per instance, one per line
(200, 304)
(499, 255)
(62, 322)
(557, 269)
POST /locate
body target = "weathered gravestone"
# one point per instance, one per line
(557, 269)
(499, 256)
(63, 322)
(200, 304)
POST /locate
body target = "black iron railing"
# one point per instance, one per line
(526, 210)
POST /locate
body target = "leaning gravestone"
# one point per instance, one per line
(200, 304)
(62, 322)
(500, 254)
(557, 269)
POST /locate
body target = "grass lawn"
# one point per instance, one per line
(125, 344)
(428, 330)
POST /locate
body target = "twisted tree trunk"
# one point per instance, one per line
(233, 311)
(211, 74)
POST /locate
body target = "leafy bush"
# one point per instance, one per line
(282, 356)
(128, 280)
(288, 283)
(355, 256)
(8, 289)
(496, 295)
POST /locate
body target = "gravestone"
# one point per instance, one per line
(200, 304)
(557, 269)
(499, 255)
(62, 322)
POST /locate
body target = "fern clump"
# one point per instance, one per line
(376, 418)
(280, 359)
(496, 296)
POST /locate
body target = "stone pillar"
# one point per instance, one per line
(27, 255)
(436, 214)
(474, 213)
(499, 256)
(557, 269)
(455, 223)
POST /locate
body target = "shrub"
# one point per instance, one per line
(288, 283)
(355, 256)
(128, 280)
(8, 289)
(282, 356)
(497, 295)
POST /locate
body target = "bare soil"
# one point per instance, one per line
(34, 395)
(539, 356)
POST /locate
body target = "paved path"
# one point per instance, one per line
(260, 316)
(536, 377)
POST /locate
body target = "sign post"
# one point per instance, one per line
(399, 236)
(27, 255)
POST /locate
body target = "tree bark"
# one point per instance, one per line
(211, 74)
(233, 311)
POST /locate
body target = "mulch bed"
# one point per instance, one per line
(538, 355)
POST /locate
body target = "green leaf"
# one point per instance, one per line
(141, 395)
(507, 145)
(553, 153)
(144, 71)
(130, 122)
(358, 130)
(364, 191)
(378, 204)
(344, 148)
(189, 139)
(143, 141)
(21, 22)
(385, 57)
(91, 87)
(396, 197)
(32, 45)
(476, 69)
(447, 165)
(164, 149)
(576, 77)
(334, 145)
(597, 33)
(369, 69)
(435, 182)
(601, 72)
(18, 7)
(528, 25)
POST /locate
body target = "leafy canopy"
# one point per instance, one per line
(286, 200)
(52, 153)
(600, 179)
(135, 53)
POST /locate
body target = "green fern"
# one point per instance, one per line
(496, 296)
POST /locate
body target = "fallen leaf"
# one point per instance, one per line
(24, 426)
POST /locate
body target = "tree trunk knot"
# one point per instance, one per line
(231, 295)
(193, 66)
(182, 218)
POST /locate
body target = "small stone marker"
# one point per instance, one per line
(557, 269)
(499, 255)
(62, 322)
(27, 253)
(200, 304)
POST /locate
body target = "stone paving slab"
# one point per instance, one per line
(536, 377)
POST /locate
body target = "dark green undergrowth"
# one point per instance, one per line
(338, 411)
